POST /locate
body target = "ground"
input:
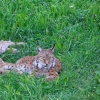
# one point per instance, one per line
(74, 25)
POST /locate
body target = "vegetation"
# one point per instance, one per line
(74, 25)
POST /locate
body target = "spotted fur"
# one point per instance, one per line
(43, 64)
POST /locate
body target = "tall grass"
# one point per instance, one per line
(74, 25)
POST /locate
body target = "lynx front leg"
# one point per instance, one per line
(7, 71)
(52, 75)
(4, 71)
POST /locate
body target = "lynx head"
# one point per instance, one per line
(45, 58)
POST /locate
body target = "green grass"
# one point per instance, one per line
(74, 25)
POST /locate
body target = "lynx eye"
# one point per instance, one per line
(39, 59)
(52, 59)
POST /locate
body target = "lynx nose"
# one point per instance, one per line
(46, 62)
(46, 65)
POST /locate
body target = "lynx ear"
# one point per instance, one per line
(39, 49)
(52, 49)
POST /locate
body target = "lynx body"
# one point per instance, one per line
(43, 64)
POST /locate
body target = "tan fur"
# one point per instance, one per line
(4, 46)
(43, 64)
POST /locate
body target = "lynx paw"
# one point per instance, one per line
(52, 76)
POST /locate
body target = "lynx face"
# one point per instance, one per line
(45, 58)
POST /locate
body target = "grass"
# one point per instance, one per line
(74, 25)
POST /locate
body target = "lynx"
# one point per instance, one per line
(43, 64)
(4, 46)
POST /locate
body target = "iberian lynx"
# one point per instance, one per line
(43, 64)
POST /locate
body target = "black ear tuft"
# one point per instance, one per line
(52, 49)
